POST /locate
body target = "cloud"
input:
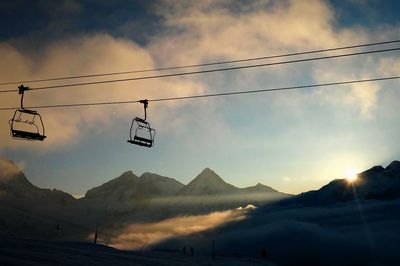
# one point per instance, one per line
(193, 32)
(8, 169)
(84, 55)
(215, 31)
(221, 30)
(136, 236)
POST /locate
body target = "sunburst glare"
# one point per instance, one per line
(351, 175)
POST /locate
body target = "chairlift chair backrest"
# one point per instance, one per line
(26, 124)
(141, 133)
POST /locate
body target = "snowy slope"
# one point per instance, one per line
(40, 252)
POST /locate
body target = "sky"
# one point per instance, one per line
(294, 141)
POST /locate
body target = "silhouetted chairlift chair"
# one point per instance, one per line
(26, 124)
(141, 133)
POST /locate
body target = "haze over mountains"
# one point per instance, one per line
(129, 186)
(15, 188)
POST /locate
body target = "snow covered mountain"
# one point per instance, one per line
(376, 183)
(208, 183)
(160, 185)
(120, 201)
(128, 186)
(259, 188)
(17, 190)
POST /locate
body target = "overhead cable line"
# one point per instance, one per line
(206, 71)
(200, 65)
(213, 94)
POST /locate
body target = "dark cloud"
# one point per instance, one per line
(40, 22)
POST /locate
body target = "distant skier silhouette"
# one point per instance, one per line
(191, 251)
(264, 253)
(184, 250)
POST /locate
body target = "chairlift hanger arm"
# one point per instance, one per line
(145, 103)
(21, 90)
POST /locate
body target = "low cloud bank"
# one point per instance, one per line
(8, 169)
(139, 235)
(339, 235)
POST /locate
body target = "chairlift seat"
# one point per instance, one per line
(141, 141)
(27, 135)
(26, 124)
(26, 111)
(33, 129)
(138, 119)
(142, 134)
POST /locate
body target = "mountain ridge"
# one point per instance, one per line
(377, 183)
(16, 188)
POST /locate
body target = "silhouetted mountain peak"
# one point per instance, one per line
(128, 186)
(17, 189)
(160, 185)
(259, 188)
(375, 183)
(127, 175)
(207, 183)
(11, 175)
(374, 170)
(126, 180)
(208, 175)
(395, 165)
(152, 176)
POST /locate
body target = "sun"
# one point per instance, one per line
(351, 175)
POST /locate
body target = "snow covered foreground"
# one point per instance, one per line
(43, 252)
